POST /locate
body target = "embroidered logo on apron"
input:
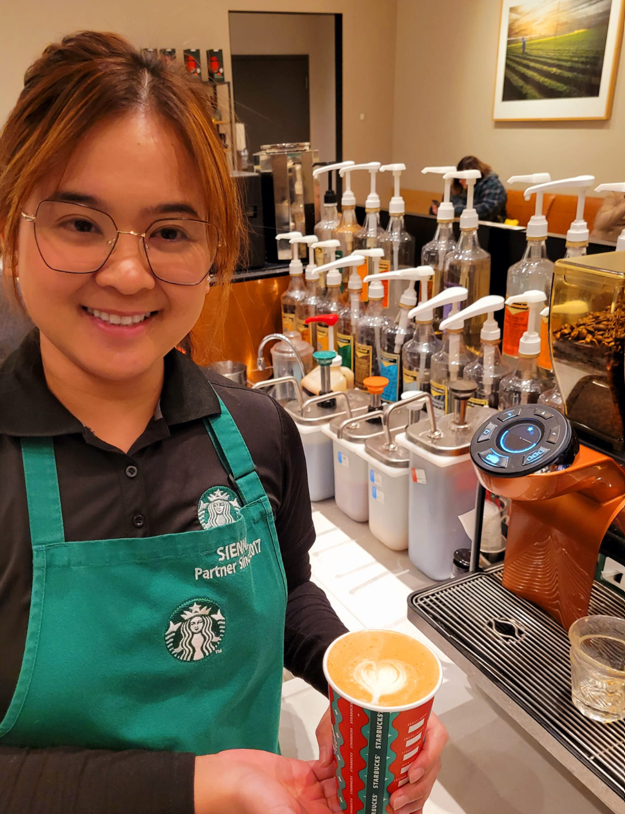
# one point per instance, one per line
(218, 507)
(196, 629)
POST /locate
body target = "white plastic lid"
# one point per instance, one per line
(486, 305)
(409, 298)
(355, 282)
(376, 290)
(424, 312)
(530, 341)
(312, 273)
(397, 205)
(334, 277)
(337, 361)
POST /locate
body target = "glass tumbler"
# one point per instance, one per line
(598, 667)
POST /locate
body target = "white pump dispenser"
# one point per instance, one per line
(468, 264)
(373, 261)
(296, 291)
(448, 363)
(620, 244)
(524, 385)
(445, 212)
(537, 226)
(418, 352)
(487, 370)
(352, 311)
(373, 199)
(330, 245)
(397, 242)
(348, 198)
(468, 218)
(397, 205)
(349, 227)
(368, 336)
(330, 217)
(309, 241)
(578, 235)
(533, 271)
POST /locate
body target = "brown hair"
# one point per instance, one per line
(470, 162)
(85, 79)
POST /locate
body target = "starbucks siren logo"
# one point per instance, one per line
(196, 629)
(218, 507)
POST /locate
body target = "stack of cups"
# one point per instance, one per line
(382, 687)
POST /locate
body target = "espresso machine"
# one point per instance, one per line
(564, 475)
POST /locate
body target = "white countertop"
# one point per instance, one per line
(490, 765)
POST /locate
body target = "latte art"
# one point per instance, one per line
(382, 678)
(382, 668)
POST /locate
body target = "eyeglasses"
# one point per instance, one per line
(77, 239)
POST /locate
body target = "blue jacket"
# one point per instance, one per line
(489, 199)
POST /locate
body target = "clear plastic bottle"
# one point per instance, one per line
(330, 217)
(348, 320)
(524, 385)
(309, 307)
(296, 291)
(368, 349)
(553, 398)
(469, 265)
(332, 303)
(533, 272)
(397, 243)
(435, 252)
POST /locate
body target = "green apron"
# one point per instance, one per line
(167, 643)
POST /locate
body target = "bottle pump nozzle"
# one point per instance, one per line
(451, 296)
(486, 305)
(330, 195)
(537, 226)
(409, 297)
(295, 266)
(445, 212)
(373, 199)
(332, 245)
(327, 319)
(397, 205)
(530, 341)
(468, 218)
(375, 255)
(578, 231)
(620, 244)
(310, 241)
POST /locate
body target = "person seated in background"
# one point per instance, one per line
(610, 219)
(489, 198)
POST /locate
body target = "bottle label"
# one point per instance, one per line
(304, 330)
(516, 318)
(475, 402)
(345, 347)
(385, 265)
(389, 368)
(544, 359)
(362, 364)
(288, 322)
(411, 379)
(323, 337)
(440, 397)
(319, 261)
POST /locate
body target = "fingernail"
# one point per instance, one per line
(399, 802)
(416, 775)
(325, 755)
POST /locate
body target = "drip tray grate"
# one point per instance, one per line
(524, 653)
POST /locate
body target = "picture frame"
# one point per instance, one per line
(557, 60)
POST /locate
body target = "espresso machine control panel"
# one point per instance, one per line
(523, 440)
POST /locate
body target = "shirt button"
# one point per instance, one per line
(138, 521)
(131, 471)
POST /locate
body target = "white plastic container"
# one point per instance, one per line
(388, 504)
(351, 470)
(441, 488)
(318, 453)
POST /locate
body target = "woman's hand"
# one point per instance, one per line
(422, 774)
(246, 781)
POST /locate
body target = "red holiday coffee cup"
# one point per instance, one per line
(376, 742)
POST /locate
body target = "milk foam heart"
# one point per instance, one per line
(381, 678)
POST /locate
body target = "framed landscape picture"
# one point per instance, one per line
(557, 59)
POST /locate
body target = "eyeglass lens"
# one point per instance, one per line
(77, 239)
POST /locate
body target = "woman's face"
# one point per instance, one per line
(136, 170)
(196, 624)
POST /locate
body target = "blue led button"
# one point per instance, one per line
(522, 437)
(487, 432)
(535, 456)
(493, 458)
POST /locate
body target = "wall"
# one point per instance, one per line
(444, 86)
(369, 30)
(297, 34)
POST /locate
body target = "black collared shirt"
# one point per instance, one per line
(151, 490)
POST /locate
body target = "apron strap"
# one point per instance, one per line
(234, 454)
(42, 491)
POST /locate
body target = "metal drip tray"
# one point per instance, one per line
(519, 656)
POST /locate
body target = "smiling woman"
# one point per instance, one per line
(122, 688)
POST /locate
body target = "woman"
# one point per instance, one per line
(489, 196)
(610, 219)
(115, 201)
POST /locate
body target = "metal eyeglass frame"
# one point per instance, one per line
(33, 218)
